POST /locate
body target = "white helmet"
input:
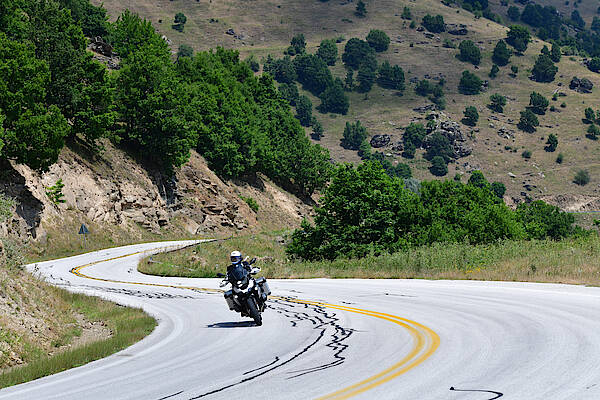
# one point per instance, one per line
(236, 257)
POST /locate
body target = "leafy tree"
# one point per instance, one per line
(297, 45)
(313, 73)
(514, 13)
(477, 179)
(494, 71)
(544, 69)
(129, 33)
(595, 25)
(355, 52)
(514, 69)
(354, 135)
(582, 177)
(390, 77)
(518, 37)
(438, 145)
(317, 129)
(378, 40)
(542, 220)
(424, 87)
(469, 52)
(538, 103)
(328, 51)
(477, 4)
(438, 166)
(414, 135)
(528, 121)
(252, 63)
(282, 70)
(180, 18)
(406, 14)
(469, 83)
(497, 102)
(577, 20)
(289, 91)
(92, 19)
(501, 55)
(555, 53)
(334, 99)
(434, 24)
(367, 73)
(349, 81)
(498, 188)
(552, 143)
(590, 115)
(185, 51)
(471, 116)
(594, 64)
(361, 9)
(31, 132)
(304, 110)
(593, 132)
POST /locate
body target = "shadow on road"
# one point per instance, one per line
(238, 324)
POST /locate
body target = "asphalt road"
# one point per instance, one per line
(334, 339)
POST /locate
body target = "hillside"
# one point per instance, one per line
(266, 27)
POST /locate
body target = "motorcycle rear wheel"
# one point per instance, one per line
(253, 311)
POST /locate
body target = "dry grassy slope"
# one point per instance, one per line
(267, 27)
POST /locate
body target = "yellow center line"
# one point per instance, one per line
(425, 340)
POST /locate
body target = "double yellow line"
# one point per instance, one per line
(425, 340)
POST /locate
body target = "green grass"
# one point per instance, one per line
(128, 325)
(567, 261)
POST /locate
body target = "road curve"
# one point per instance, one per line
(333, 339)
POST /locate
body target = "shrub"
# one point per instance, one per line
(582, 177)
(378, 40)
(497, 102)
(434, 24)
(354, 135)
(526, 154)
(251, 203)
(253, 63)
(297, 45)
(317, 129)
(551, 143)
(355, 51)
(334, 99)
(518, 37)
(55, 193)
(471, 116)
(514, 13)
(184, 51)
(544, 69)
(469, 83)
(390, 77)
(304, 110)
(449, 44)
(593, 132)
(438, 145)
(406, 14)
(289, 91)
(494, 71)
(594, 64)
(528, 121)
(498, 188)
(438, 166)
(560, 158)
(541, 220)
(538, 103)
(361, 9)
(328, 51)
(469, 52)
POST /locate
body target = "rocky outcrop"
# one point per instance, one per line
(453, 132)
(582, 85)
(378, 141)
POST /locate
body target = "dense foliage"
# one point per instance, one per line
(501, 54)
(434, 24)
(469, 83)
(469, 52)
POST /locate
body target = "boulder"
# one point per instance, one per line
(380, 141)
(582, 85)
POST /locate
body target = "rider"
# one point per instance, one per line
(236, 258)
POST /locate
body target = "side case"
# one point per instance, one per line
(229, 299)
(264, 286)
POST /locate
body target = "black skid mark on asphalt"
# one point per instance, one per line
(171, 395)
(134, 293)
(498, 394)
(264, 366)
(322, 322)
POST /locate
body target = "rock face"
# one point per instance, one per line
(115, 190)
(582, 85)
(380, 141)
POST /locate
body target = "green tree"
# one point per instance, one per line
(92, 19)
(498, 188)
(593, 132)
(471, 116)
(317, 129)
(438, 166)
(434, 24)
(367, 73)
(469, 52)
(555, 53)
(304, 110)
(355, 52)
(349, 81)
(582, 177)
(477, 179)
(406, 14)
(544, 69)
(334, 99)
(494, 71)
(514, 13)
(501, 55)
(328, 51)
(414, 135)
(438, 145)
(313, 73)
(55, 193)
(594, 64)
(590, 115)
(361, 9)
(252, 63)
(528, 121)
(130, 32)
(180, 20)
(185, 51)
(552, 143)
(514, 70)
(538, 103)
(297, 45)
(378, 40)
(518, 37)
(282, 70)
(497, 102)
(469, 83)
(289, 91)
(354, 135)
(541, 220)
(390, 77)
(31, 131)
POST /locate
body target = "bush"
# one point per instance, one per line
(378, 40)
(406, 14)
(438, 166)
(297, 45)
(590, 116)
(317, 129)
(367, 74)
(185, 51)
(253, 63)
(334, 99)
(494, 71)
(518, 37)
(538, 103)
(438, 145)
(354, 135)
(528, 121)
(469, 52)
(497, 102)
(328, 51)
(434, 24)
(541, 221)
(355, 52)
(304, 110)
(514, 13)
(289, 91)
(551, 143)
(471, 116)
(469, 83)
(544, 69)
(560, 158)
(251, 203)
(582, 177)
(498, 188)
(313, 73)
(449, 44)
(390, 77)
(526, 154)
(594, 64)
(361, 9)
(593, 132)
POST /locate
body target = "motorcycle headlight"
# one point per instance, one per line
(240, 283)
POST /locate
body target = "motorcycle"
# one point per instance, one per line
(247, 295)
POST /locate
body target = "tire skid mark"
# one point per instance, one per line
(498, 394)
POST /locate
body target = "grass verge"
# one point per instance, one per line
(128, 326)
(572, 261)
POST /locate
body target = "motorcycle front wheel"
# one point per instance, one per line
(253, 311)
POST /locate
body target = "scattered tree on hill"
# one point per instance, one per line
(349, 81)
(538, 103)
(438, 145)
(501, 54)
(497, 102)
(334, 99)
(471, 116)
(354, 135)
(378, 40)
(361, 9)
(544, 69)
(289, 91)
(367, 73)
(555, 53)
(328, 51)
(355, 52)
(304, 110)
(406, 14)
(560, 158)
(514, 70)
(252, 63)
(518, 37)
(390, 77)
(590, 116)
(313, 73)
(469, 83)
(595, 24)
(297, 45)
(541, 220)
(438, 166)
(577, 20)
(594, 64)
(180, 20)
(582, 177)
(498, 188)
(551, 143)
(494, 71)
(317, 129)
(593, 132)
(283, 70)
(469, 52)
(413, 139)
(434, 24)
(528, 121)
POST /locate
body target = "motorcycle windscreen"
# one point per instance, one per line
(238, 273)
